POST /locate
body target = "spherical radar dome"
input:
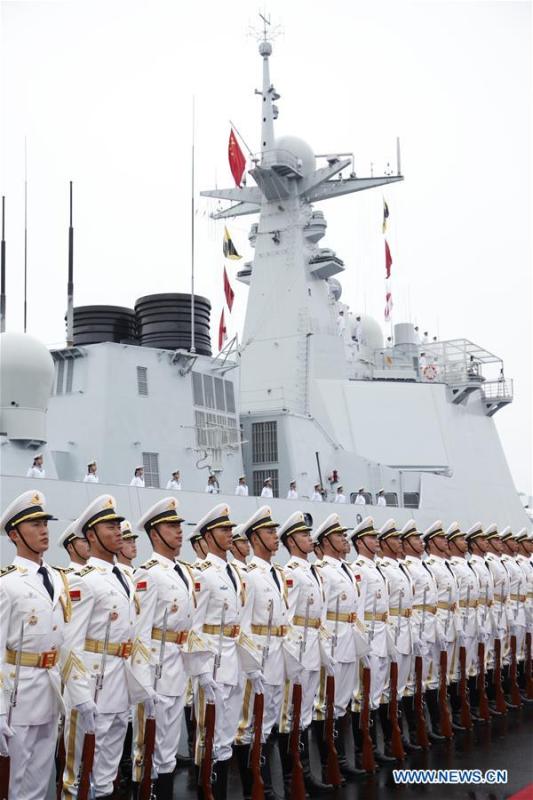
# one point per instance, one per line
(372, 334)
(301, 150)
(26, 381)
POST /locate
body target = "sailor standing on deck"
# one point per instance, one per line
(402, 633)
(76, 546)
(340, 497)
(240, 548)
(445, 633)
(376, 608)
(516, 603)
(138, 478)
(267, 488)
(477, 546)
(91, 476)
(174, 482)
(36, 470)
(34, 595)
(307, 604)
(103, 603)
(345, 610)
(165, 588)
(316, 496)
(269, 625)
(292, 494)
(360, 499)
(241, 490)
(423, 620)
(221, 594)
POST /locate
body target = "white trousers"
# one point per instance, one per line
(109, 734)
(273, 698)
(32, 749)
(168, 719)
(310, 682)
(228, 712)
(346, 684)
(434, 672)
(427, 662)
(404, 668)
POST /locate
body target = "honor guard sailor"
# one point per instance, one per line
(99, 645)
(76, 546)
(344, 615)
(303, 644)
(220, 631)
(34, 606)
(423, 621)
(516, 603)
(165, 589)
(268, 626)
(240, 548)
(128, 550)
(376, 608)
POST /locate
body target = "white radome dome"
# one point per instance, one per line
(299, 149)
(372, 334)
(26, 381)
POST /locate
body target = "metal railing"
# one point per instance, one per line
(500, 391)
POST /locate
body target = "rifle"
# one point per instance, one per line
(444, 711)
(466, 717)
(145, 787)
(5, 758)
(258, 786)
(421, 729)
(333, 772)
(367, 755)
(528, 670)
(397, 748)
(60, 757)
(484, 711)
(297, 783)
(516, 700)
(499, 697)
(206, 768)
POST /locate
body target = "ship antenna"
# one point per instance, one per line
(3, 270)
(398, 160)
(193, 347)
(70, 283)
(25, 234)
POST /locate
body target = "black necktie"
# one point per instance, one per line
(121, 580)
(276, 579)
(347, 570)
(313, 570)
(230, 573)
(182, 576)
(43, 572)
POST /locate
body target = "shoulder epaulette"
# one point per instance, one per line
(185, 563)
(318, 564)
(7, 570)
(360, 563)
(292, 566)
(204, 565)
(64, 570)
(85, 571)
(149, 564)
(251, 567)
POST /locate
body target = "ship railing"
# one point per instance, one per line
(500, 391)
(280, 160)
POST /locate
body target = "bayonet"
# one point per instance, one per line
(218, 656)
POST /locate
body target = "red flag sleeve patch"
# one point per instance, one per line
(75, 595)
(290, 583)
(357, 576)
(197, 586)
(141, 586)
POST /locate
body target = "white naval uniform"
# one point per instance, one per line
(24, 598)
(376, 600)
(381, 501)
(36, 472)
(423, 622)
(515, 607)
(399, 619)
(485, 604)
(501, 585)
(360, 500)
(175, 485)
(466, 618)
(160, 587)
(445, 629)
(316, 497)
(292, 494)
(303, 583)
(340, 498)
(527, 568)
(213, 588)
(340, 583)
(267, 492)
(136, 481)
(96, 595)
(241, 491)
(90, 477)
(263, 589)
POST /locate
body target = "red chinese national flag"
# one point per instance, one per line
(228, 291)
(388, 260)
(222, 333)
(237, 161)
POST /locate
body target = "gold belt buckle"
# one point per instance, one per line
(125, 649)
(182, 637)
(48, 659)
(282, 630)
(352, 617)
(235, 630)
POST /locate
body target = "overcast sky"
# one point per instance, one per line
(102, 92)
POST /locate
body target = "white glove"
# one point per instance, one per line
(418, 647)
(328, 663)
(208, 685)
(257, 682)
(87, 713)
(365, 661)
(5, 733)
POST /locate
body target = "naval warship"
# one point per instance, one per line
(295, 398)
